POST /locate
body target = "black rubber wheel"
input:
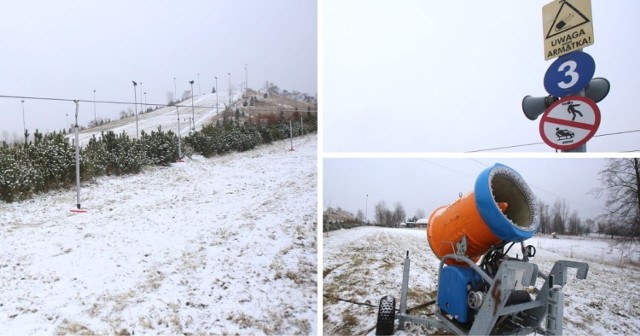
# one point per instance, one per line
(386, 316)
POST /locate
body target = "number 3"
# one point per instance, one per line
(571, 72)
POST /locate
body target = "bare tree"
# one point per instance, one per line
(589, 226)
(560, 213)
(381, 211)
(620, 183)
(420, 213)
(575, 224)
(398, 214)
(360, 216)
(545, 217)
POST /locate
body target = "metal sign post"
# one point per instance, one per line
(573, 92)
(567, 76)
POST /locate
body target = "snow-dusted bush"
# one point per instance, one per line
(48, 162)
(211, 140)
(112, 155)
(160, 148)
(44, 164)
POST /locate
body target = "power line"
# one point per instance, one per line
(506, 147)
(132, 103)
(433, 162)
(542, 143)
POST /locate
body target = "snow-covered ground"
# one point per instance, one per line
(363, 264)
(222, 245)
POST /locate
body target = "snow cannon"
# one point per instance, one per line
(485, 287)
(500, 209)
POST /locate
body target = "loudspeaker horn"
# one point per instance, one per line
(535, 106)
(597, 89)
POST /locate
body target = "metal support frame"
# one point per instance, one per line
(511, 276)
(404, 292)
(402, 316)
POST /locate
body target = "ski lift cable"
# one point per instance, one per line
(139, 103)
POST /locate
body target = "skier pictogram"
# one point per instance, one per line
(572, 109)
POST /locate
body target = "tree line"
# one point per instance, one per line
(48, 161)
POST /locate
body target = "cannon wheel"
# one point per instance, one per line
(386, 315)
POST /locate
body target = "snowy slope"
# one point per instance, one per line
(219, 245)
(167, 117)
(363, 264)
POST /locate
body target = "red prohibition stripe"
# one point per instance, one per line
(570, 123)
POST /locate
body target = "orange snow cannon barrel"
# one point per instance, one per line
(501, 208)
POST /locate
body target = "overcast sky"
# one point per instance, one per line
(67, 49)
(430, 183)
(424, 76)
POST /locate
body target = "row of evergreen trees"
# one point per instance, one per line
(48, 162)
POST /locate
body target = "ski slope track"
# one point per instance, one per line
(364, 264)
(204, 112)
(223, 245)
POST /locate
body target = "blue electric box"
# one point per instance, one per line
(453, 290)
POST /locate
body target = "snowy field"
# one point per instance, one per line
(363, 264)
(222, 245)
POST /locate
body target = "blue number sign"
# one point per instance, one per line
(569, 74)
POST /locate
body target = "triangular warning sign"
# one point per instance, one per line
(567, 18)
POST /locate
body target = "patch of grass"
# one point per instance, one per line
(360, 291)
(421, 295)
(123, 332)
(349, 318)
(72, 328)
(328, 270)
(295, 277)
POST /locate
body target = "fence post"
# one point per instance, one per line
(291, 133)
(77, 157)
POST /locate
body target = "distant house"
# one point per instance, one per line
(422, 223)
(410, 224)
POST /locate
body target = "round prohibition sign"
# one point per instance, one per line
(570, 122)
(569, 74)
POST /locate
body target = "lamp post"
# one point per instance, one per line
(135, 105)
(140, 97)
(193, 113)
(24, 124)
(95, 115)
(199, 87)
(145, 100)
(216, 77)
(179, 136)
(366, 212)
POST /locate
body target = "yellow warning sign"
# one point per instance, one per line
(567, 26)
